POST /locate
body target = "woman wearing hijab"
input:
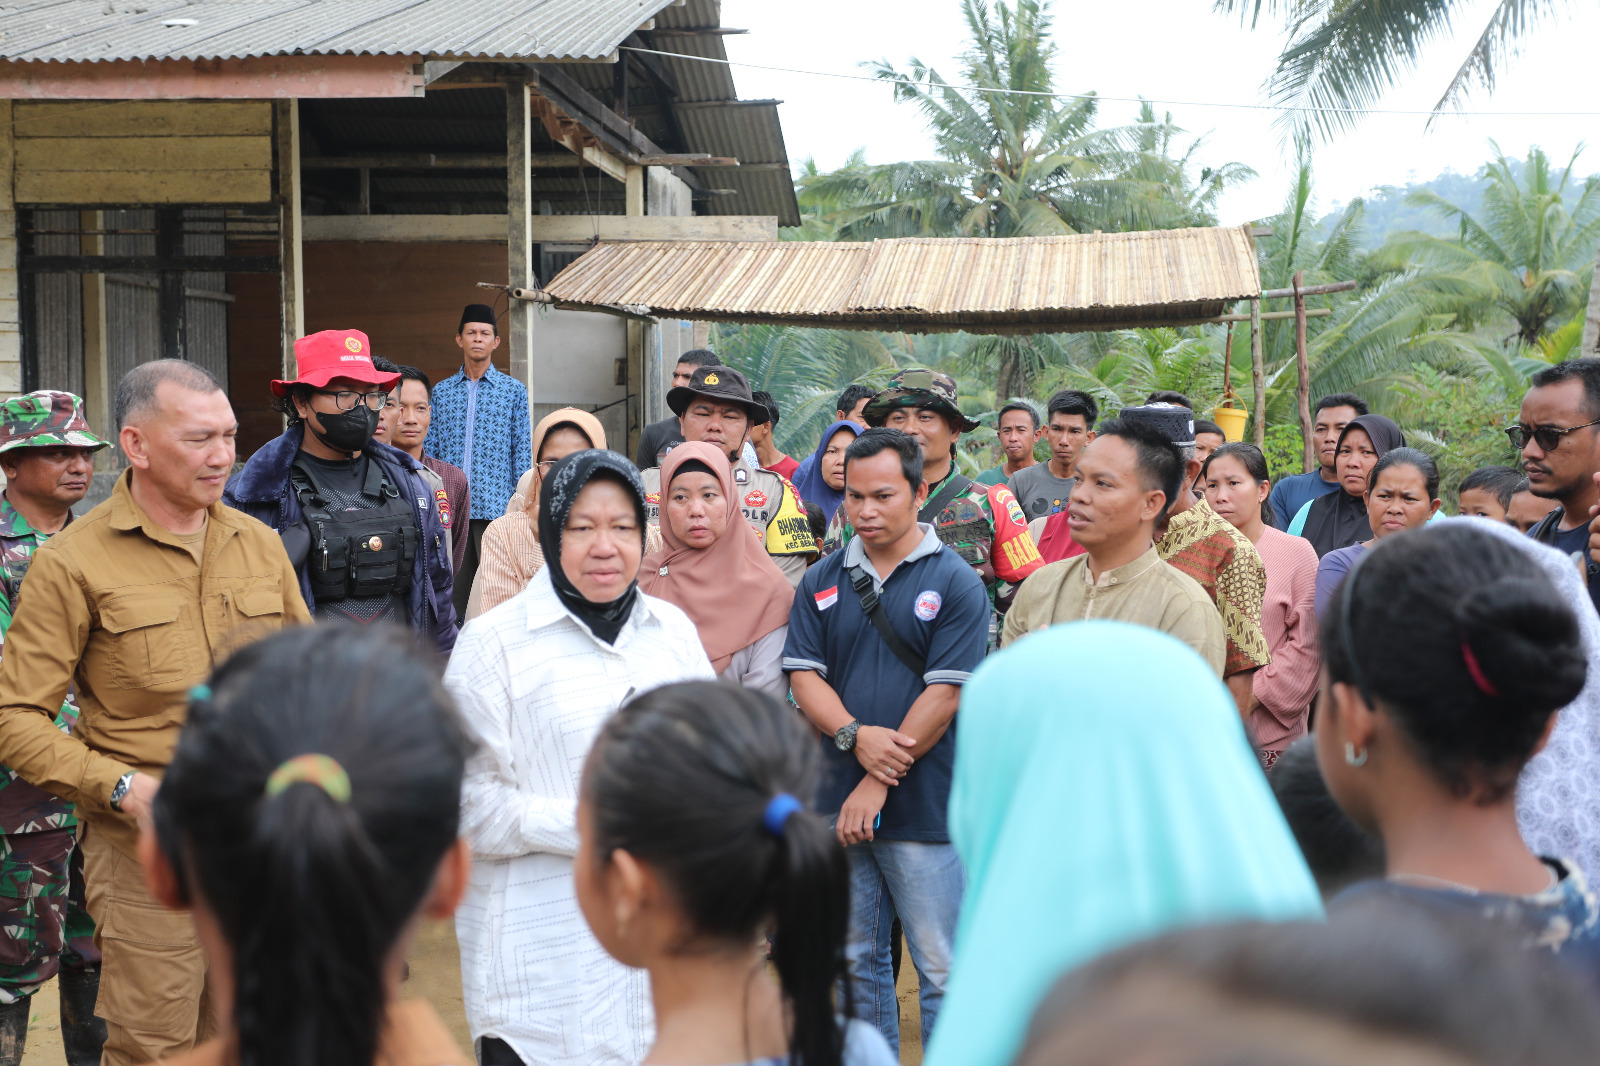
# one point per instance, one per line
(717, 572)
(510, 553)
(1404, 494)
(823, 481)
(1052, 881)
(1339, 519)
(535, 680)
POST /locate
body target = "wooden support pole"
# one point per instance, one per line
(1270, 316)
(1309, 290)
(10, 282)
(291, 270)
(519, 236)
(1302, 389)
(634, 204)
(1258, 374)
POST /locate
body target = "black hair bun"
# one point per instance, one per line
(1527, 643)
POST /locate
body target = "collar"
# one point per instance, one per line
(1197, 513)
(12, 524)
(544, 608)
(855, 553)
(488, 375)
(1125, 573)
(126, 514)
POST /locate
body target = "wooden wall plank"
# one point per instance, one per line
(144, 153)
(143, 187)
(10, 308)
(133, 118)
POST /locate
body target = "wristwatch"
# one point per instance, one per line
(120, 792)
(845, 738)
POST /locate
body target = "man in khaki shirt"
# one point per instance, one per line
(130, 606)
(1125, 478)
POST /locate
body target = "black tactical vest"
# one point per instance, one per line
(357, 554)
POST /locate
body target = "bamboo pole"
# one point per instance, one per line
(1258, 374)
(1302, 389)
(1309, 290)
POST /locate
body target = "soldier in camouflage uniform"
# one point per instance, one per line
(982, 523)
(45, 453)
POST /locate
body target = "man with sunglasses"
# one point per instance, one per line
(356, 515)
(1558, 431)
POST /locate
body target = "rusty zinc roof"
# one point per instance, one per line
(100, 30)
(1093, 281)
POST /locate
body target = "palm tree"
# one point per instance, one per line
(1342, 55)
(1526, 255)
(1014, 161)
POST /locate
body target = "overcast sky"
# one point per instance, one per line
(1176, 50)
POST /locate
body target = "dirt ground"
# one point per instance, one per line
(436, 977)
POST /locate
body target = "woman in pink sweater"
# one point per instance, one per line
(1236, 485)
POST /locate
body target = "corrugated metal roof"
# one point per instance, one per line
(1012, 285)
(91, 30)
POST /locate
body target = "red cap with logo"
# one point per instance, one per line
(335, 353)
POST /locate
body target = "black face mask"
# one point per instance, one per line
(346, 431)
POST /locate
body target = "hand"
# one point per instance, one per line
(884, 753)
(141, 795)
(860, 810)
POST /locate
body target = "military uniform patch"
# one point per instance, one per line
(442, 502)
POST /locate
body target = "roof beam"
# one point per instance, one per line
(257, 78)
(697, 31)
(552, 229)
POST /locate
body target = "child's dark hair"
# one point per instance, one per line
(684, 778)
(1338, 851)
(313, 890)
(816, 520)
(1254, 463)
(1464, 641)
(1413, 458)
(1501, 482)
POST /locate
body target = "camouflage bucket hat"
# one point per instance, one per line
(46, 420)
(918, 388)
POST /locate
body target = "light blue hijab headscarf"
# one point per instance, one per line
(813, 487)
(1104, 792)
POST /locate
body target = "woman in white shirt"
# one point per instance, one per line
(536, 678)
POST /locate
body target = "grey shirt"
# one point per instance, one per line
(1040, 492)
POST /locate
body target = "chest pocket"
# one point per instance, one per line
(148, 644)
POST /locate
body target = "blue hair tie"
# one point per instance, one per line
(199, 693)
(779, 808)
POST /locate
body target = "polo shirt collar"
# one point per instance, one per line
(1125, 573)
(855, 553)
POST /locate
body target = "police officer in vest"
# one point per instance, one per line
(718, 408)
(355, 514)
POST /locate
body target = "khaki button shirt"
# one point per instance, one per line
(1146, 592)
(116, 605)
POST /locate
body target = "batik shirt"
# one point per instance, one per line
(26, 808)
(985, 526)
(501, 439)
(1201, 543)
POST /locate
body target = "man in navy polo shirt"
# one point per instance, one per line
(885, 703)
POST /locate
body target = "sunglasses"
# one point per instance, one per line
(1548, 437)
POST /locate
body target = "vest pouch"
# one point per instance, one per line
(328, 563)
(380, 561)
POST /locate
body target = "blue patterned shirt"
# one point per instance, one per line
(500, 436)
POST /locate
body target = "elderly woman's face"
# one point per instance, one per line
(601, 544)
(696, 510)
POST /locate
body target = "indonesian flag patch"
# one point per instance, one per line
(827, 598)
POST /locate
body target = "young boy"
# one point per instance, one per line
(1487, 492)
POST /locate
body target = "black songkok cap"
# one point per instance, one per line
(478, 313)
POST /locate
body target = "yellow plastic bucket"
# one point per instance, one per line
(1231, 419)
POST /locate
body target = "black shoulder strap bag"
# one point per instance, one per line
(861, 581)
(953, 486)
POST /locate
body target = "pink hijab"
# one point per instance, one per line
(732, 591)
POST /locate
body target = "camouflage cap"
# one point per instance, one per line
(46, 420)
(918, 387)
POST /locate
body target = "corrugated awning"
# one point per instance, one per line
(1097, 281)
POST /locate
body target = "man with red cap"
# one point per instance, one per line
(355, 514)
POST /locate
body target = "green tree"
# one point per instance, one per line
(1341, 56)
(1527, 254)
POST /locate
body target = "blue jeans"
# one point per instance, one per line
(922, 883)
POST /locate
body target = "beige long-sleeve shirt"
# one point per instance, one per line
(119, 607)
(1146, 592)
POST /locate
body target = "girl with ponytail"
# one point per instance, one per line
(697, 836)
(308, 819)
(1447, 654)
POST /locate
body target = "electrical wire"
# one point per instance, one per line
(926, 85)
